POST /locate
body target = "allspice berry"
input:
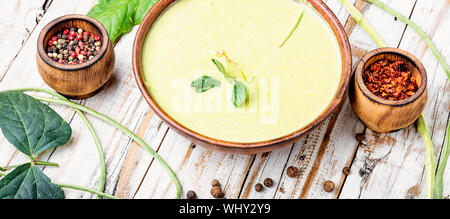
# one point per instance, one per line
(258, 187)
(215, 182)
(191, 195)
(292, 172)
(268, 182)
(216, 192)
(328, 186)
(346, 171)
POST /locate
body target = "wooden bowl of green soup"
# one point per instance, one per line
(242, 76)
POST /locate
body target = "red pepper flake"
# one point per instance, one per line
(390, 80)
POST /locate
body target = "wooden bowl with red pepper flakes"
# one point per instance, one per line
(388, 91)
(75, 56)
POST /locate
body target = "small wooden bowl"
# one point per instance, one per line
(240, 147)
(76, 81)
(382, 115)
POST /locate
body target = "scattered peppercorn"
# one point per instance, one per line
(328, 186)
(215, 182)
(292, 172)
(346, 171)
(268, 182)
(216, 192)
(191, 195)
(73, 46)
(259, 187)
(390, 80)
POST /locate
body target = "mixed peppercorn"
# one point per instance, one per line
(73, 46)
(390, 80)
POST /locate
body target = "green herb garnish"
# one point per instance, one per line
(205, 83)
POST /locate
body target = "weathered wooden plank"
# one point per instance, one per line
(78, 160)
(23, 72)
(321, 156)
(124, 105)
(330, 155)
(18, 20)
(383, 23)
(136, 164)
(195, 167)
(392, 165)
(193, 176)
(306, 155)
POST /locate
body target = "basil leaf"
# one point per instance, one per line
(205, 83)
(28, 182)
(221, 68)
(31, 126)
(120, 16)
(239, 93)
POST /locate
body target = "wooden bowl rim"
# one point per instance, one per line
(43, 54)
(344, 46)
(398, 52)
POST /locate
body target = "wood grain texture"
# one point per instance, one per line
(244, 147)
(392, 165)
(18, 21)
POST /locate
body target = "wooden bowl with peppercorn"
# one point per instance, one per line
(75, 56)
(388, 91)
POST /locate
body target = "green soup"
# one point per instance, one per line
(288, 87)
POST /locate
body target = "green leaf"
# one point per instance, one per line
(294, 28)
(31, 126)
(221, 68)
(239, 93)
(205, 83)
(120, 16)
(117, 17)
(28, 182)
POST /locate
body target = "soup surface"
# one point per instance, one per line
(288, 86)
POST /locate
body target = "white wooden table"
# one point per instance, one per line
(382, 165)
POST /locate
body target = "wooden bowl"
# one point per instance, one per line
(76, 81)
(239, 147)
(383, 115)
